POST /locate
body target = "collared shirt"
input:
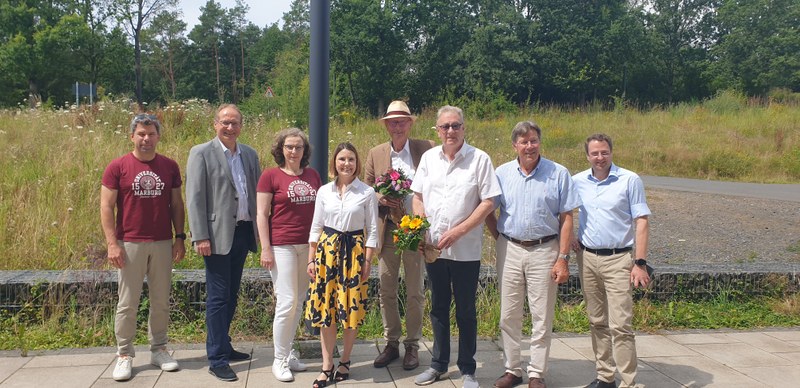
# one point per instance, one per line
(239, 180)
(356, 209)
(530, 205)
(609, 208)
(402, 161)
(451, 191)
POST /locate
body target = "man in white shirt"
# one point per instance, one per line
(455, 187)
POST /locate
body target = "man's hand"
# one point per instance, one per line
(203, 247)
(395, 203)
(116, 255)
(267, 258)
(178, 250)
(639, 276)
(449, 238)
(560, 272)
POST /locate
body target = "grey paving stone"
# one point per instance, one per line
(739, 355)
(60, 376)
(656, 345)
(785, 335)
(9, 365)
(695, 339)
(764, 342)
(699, 371)
(776, 376)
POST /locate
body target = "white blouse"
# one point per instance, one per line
(355, 210)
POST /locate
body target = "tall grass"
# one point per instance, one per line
(53, 162)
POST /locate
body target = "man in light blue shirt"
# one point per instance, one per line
(533, 234)
(612, 218)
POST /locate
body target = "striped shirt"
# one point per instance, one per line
(239, 180)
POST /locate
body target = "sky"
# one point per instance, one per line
(262, 12)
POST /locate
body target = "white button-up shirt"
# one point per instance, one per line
(356, 209)
(402, 161)
(239, 181)
(451, 191)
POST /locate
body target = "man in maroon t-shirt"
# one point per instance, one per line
(145, 189)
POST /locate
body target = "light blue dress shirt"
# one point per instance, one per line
(531, 204)
(609, 208)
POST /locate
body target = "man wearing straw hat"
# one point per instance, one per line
(399, 153)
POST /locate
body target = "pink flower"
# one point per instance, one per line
(394, 175)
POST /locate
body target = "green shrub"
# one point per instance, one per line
(725, 164)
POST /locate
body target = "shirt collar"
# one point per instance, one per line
(613, 172)
(228, 151)
(402, 152)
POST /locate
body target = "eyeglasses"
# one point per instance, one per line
(604, 154)
(528, 143)
(291, 148)
(445, 127)
(233, 124)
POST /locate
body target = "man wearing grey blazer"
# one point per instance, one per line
(221, 177)
(400, 153)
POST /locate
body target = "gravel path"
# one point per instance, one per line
(700, 228)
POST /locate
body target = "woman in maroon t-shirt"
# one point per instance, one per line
(285, 203)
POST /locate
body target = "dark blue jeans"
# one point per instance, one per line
(454, 280)
(223, 278)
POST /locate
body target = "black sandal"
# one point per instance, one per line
(339, 376)
(324, 383)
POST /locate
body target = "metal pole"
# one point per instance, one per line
(77, 94)
(319, 88)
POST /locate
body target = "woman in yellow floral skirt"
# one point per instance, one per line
(341, 246)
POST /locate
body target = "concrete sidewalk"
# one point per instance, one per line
(769, 358)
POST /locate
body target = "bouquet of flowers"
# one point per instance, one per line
(410, 233)
(393, 184)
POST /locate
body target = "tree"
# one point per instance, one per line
(165, 41)
(135, 15)
(759, 46)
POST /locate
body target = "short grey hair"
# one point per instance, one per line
(451, 109)
(523, 127)
(145, 119)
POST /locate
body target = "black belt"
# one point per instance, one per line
(531, 243)
(241, 223)
(606, 251)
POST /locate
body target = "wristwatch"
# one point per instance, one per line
(564, 256)
(181, 236)
(640, 262)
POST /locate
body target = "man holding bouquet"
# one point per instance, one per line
(401, 155)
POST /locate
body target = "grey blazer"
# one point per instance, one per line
(211, 196)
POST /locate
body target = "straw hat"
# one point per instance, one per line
(398, 109)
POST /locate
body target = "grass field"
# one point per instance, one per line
(50, 173)
(50, 183)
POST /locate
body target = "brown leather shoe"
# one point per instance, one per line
(411, 359)
(389, 354)
(508, 380)
(536, 382)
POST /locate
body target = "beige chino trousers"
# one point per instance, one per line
(606, 284)
(154, 260)
(389, 270)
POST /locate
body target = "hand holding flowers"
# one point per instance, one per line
(410, 233)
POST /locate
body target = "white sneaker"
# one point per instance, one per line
(163, 360)
(280, 368)
(295, 364)
(468, 381)
(122, 371)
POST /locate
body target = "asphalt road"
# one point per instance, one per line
(779, 192)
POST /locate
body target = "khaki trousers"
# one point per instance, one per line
(606, 283)
(525, 273)
(154, 260)
(389, 269)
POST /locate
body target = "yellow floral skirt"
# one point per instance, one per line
(338, 293)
